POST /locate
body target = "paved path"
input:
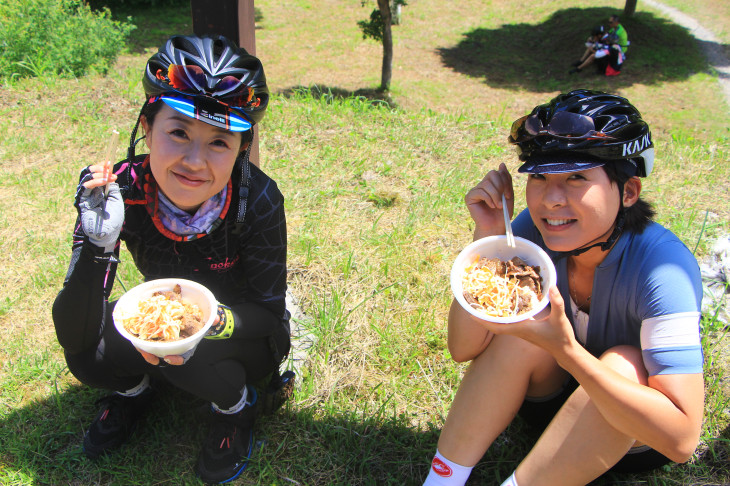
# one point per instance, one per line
(711, 45)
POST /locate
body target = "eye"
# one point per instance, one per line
(178, 133)
(537, 177)
(577, 176)
(220, 143)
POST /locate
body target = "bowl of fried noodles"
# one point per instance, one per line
(503, 284)
(167, 316)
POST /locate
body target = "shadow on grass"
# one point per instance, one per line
(41, 444)
(537, 57)
(329, 93)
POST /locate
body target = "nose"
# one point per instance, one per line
(554, 195)
(195, 155)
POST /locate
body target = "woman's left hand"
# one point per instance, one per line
(175, 360)
(549, 329)
(171, 359)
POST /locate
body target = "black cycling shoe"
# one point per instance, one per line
(577, 63)
(115, 423)
(229, 445)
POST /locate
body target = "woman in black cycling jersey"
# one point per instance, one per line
(193, 208)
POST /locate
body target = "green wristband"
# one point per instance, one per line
(224, 328)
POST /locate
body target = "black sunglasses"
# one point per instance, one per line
(563, 124)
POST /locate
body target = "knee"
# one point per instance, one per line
(85, 368)
(534, 363)
(627, 361)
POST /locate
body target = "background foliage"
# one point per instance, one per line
(58, 37)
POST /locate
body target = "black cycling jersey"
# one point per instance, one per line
(242, 262)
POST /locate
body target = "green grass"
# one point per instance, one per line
(374, 194)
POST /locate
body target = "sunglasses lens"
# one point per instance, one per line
(566, 124)
(533, 125)
(186, 78)
(517, 125)
(563, 125)
(227, 84)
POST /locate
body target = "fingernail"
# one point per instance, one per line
(166, 360)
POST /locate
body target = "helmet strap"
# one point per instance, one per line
(132, 142)
(244, 184)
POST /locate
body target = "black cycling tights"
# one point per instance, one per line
(217, 372)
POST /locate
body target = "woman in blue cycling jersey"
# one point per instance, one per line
(612, 371)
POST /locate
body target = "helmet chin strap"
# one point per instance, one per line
(613, 237)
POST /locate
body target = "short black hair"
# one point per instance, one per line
(640, 214)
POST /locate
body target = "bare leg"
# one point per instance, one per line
(579, 445)
(587, 53)
(491, 393)
(587, 61)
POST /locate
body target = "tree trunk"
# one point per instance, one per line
(629, 8)
(387, 71)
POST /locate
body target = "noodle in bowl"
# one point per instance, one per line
(192, 292)
(497, 247)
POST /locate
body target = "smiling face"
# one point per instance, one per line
(190, 159)
(574, 209)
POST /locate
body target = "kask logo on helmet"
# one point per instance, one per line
(636, 146)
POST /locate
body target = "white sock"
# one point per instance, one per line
(446, 473)
(511, 481)
(237, 407)
(133, 392)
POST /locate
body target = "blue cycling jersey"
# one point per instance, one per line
(647, 293)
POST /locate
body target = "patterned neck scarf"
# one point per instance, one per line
(183, 223)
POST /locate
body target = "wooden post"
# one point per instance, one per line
(234, 19)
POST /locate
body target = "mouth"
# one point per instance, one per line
(188, 180)
(558, 223)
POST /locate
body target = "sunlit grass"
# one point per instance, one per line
(374, 198)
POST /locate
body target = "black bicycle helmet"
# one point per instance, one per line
(582, 123)
(209, 69)
(581, 130)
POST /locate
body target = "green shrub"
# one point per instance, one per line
(63, 37)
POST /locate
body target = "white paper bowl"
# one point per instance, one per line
(193, 292)
(497, 247)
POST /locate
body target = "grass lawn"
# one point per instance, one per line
(374, 191)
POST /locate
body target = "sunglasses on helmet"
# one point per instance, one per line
(563, 124)
(192, 79)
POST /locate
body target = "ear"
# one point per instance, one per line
(632, 191)
(146, 127)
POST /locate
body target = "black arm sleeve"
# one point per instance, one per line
(79, 309)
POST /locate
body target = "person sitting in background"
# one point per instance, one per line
(608, 51)
(594, 42)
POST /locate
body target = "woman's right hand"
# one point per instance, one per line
(102, 215)
(484, 202)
